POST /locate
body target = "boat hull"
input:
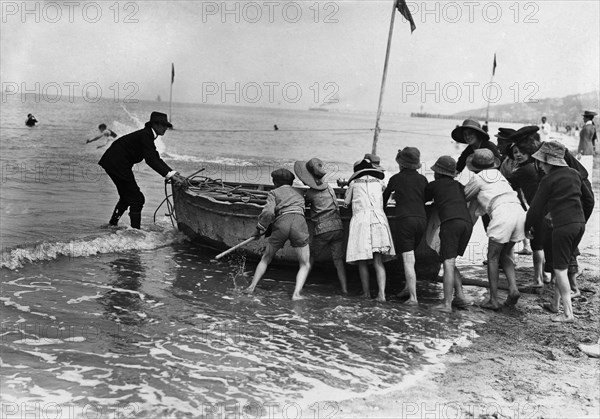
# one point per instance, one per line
(220, 225)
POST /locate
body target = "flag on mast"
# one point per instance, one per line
(494, 68)
(404, 11)
(172, 73)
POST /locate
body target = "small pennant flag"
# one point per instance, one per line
(172, 73)
(494, 68)
(404, 11)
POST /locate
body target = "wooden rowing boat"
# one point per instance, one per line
(219, 215)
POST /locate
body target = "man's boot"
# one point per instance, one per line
(116, 215)
(136, 219)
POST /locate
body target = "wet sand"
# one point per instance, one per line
(520, 365)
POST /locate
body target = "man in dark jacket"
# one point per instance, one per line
(128, 150)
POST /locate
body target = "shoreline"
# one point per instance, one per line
(519, 365)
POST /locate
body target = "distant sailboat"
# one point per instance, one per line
(158, 99)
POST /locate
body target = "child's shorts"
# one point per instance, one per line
(290, 227)
(507, 224)
(564, 242)
(333, 240)
(454, 238)
(408, 233)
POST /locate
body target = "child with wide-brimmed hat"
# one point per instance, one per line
(500, 202)
(471, 133)
(324, 221)
(410, 219)
(569, 202)
(455, 229)
(369, 236)
(285, 211)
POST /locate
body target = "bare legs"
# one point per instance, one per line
(340, 268)
(410, 289)
(261, 268)
(563, 290)
(501, 253)
(449, 282)
(363, 271)
(303, 258)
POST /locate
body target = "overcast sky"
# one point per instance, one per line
(297, 54)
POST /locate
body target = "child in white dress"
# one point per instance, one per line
(369, 237)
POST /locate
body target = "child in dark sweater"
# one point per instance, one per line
(569, 203)
(456, 227)
(410, 220)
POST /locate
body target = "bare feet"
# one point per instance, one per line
(549, 307)
(536, 285)
(562, 319)
(575, 294)
(460, 303)
(411, 302)
(403, 294)
(442, 307)
(297, 297)
(381, 298)
(490, 305)
(248, 290)
(512, 299)
(366, 295)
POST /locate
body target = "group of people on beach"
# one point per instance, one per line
(522, 188)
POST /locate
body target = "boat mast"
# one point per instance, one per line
(171, 93)
(385, 67)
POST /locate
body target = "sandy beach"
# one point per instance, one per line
(517, 364)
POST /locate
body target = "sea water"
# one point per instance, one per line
(101, 322)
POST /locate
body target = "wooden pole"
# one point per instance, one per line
(171, 94)
(385, 67)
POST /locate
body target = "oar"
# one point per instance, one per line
(237, 246)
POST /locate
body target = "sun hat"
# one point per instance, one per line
(374, 160)
(589, 113)
(409, 158)
(482, 159)
(283, 176)
(365, 167)
(445, 165)
(160, 118)
(458, 132)
(552, 153)
(311, 173)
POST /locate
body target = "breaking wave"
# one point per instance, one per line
(120, 240)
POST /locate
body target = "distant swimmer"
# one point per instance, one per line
(31, 121)
(275, 127)
(104, 133)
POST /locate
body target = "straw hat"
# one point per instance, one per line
(446, 166)
(311, 173)
(552, 153)
(482, 159)
(458, 132)
(409, 157)
(366, 167)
